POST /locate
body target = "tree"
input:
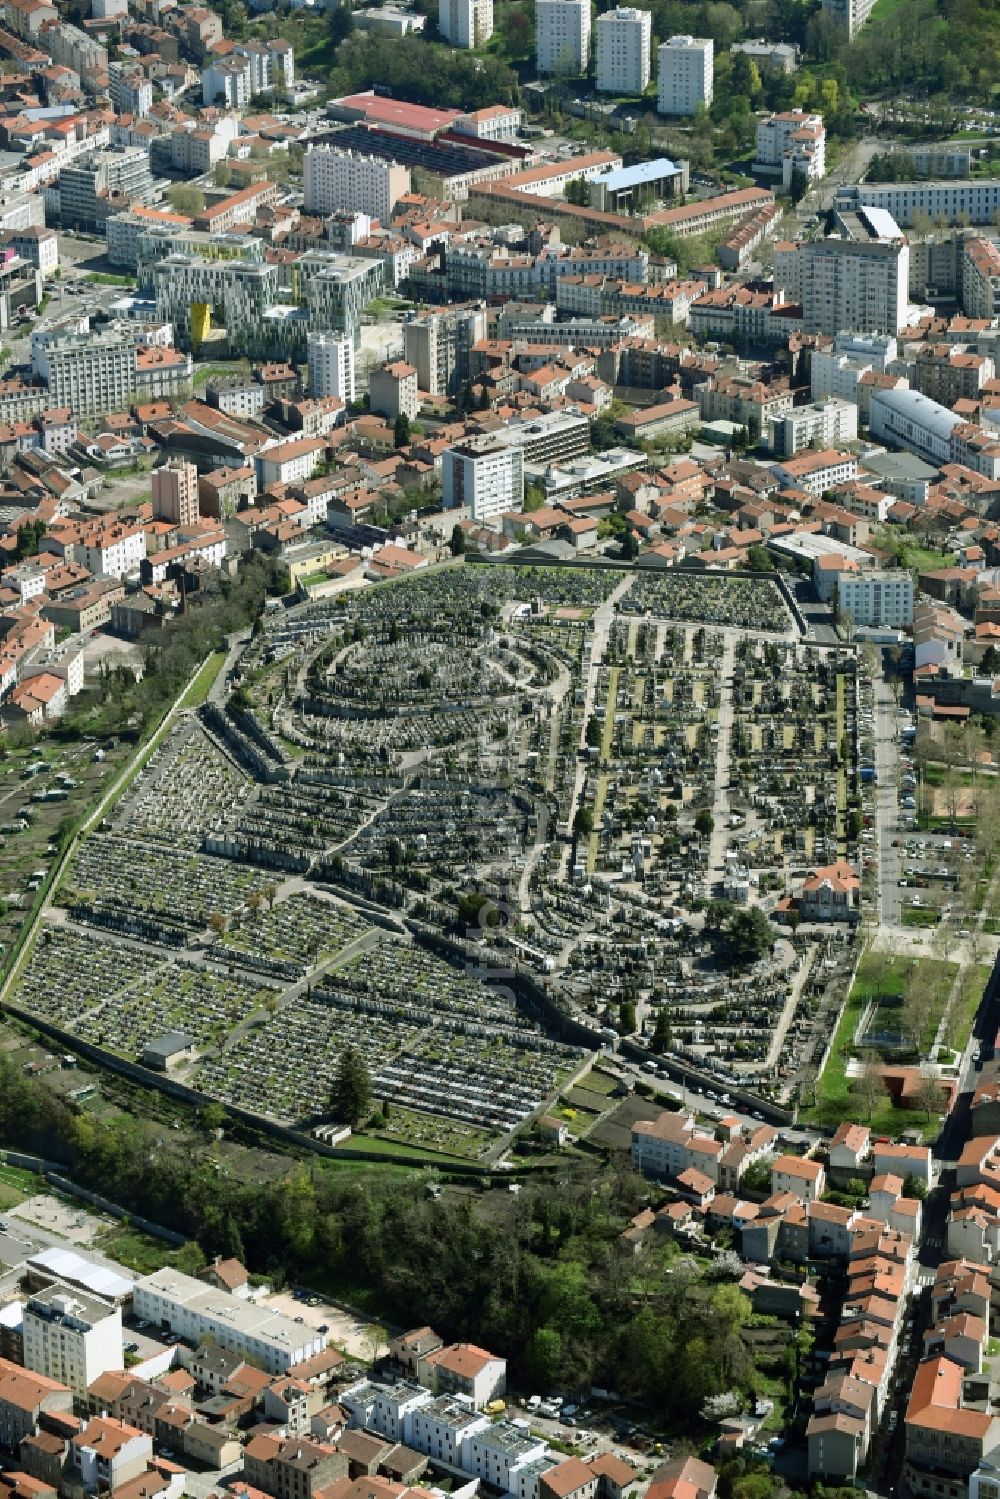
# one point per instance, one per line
(593, 732)
(457, 542)
(759, 559)
(749, 937)
(270, 893)
(870, 1082)
(218, 924)
(663, 1036)
(578, 192)
(627, 1019)
(929, 1095)
(212, 1118)
(373, 1340)
(351, 1094)
(255, 901)
(185, 199)
(704, 823)
(401, 430)
(583, 822)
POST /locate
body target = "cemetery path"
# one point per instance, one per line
(795, 989)
(601, 621)
(720, 811)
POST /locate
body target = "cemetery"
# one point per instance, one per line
(617, 767)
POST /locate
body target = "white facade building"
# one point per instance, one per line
(791, 142)
(445, 1430)
(331, 366)
(289, 462)
(92, 373)
(825, 423)
(687, 75)
(71, 1337)
(465, 23)
(876, 599)
(483, 475)
(170, 1299)
(343, 180)
(974, 201)
(912, 421)
(562, 36)
(623, 42)
(849, 14)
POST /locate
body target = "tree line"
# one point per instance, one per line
(542, 1278)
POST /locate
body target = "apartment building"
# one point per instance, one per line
(951, 372)
(945, 1442)
(226, 82)
(393, 391)
(445, 1430)
(464, 1369)
(24, 1395)
(849, 15)
(71, 1337)
(290, 462)
(861, 285)
(791, 142)
(624, 36)
(817, 472)
(170, 1299)
(981, 278)
(562, 36)
(131, 91)
(36, 245)
(824, 423)
(187, 287)
(687, 73)
(175, 493)
(484, 476)
(438, 345)
(972, 202)
(881, 599)
(465, 23)
(98, 180)
(106, 1455)
(331, 366)
(92, 373)
(777, 59)
(346, 180)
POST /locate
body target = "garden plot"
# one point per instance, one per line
(739, 603)
(71, 972)
(112, 877)
(184, 792)
(295, 935)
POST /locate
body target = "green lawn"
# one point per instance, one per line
(967, 1001)
(835, 1098)
(202, 684)
(920, 916)
(205, 372)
